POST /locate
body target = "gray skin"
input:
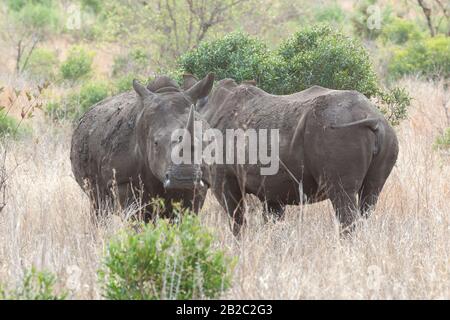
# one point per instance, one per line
(122, 147)
(334, 144)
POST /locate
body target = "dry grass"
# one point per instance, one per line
(402, 251)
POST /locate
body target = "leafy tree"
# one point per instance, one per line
(28, 23)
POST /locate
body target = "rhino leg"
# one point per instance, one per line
(231, 199)
(345, 206)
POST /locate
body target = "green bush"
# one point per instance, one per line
(394, 104)
(321, 56)
(236, 56)
(429, 58)
(91, 93)
(367, 21)
(40, 15)
(443, 141)
(136, 62)
(313, 56)
(124, 83)
(78, 64)
(77, 103)
(42, 64)
(165, 261)
(399, 31)
(332, 13)
(36, 285)
(9, 126)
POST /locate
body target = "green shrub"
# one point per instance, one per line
(17, 5)
(165, 261)
(42, 64)
(137, 62)
(443, 141)
(9, 126)
(91, 93)
(94, 5)
(236, 56)
(368, 18)
(429, 58)
(332, 13)
(75, 104)
(394, 104)
(400, 31)
(78, 64)
(321, 56)
(123, 84)
(36, 285)
(41, 15)
(313, 56)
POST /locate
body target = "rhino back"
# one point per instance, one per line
(103, 139)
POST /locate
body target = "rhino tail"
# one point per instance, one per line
(372, 123)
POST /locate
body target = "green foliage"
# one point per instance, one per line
(313, 56)
(36, 15)
(368, 18)
(137, 61)
(236, 56)
(91, 93)
(36, 285)
(399, 31)
(165, 261)
(429, 58)
(443, 141)
(94, 5)
(75, 104)
(331, 14)
(42, 64)
(394, 104)
(78, 64)
(17, 5)
(123, 84)
(321, 56)
(9, 126)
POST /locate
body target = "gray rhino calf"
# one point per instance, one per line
(123, 144)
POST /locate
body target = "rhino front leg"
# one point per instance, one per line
(231, 199)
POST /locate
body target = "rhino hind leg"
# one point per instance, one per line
(345, 206)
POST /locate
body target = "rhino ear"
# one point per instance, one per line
(141, 90)
(189, 81)
(202, 88)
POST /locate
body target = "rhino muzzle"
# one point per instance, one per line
(184, 177)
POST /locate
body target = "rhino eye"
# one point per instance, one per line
(180, 139)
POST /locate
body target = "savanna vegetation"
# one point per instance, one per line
(61, 57)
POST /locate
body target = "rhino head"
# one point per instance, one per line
(164, 111)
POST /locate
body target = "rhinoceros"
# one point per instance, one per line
(333, 144)
(122, 146)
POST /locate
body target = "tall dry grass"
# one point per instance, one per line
(401, 251)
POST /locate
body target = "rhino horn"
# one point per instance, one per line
(141, 90)
(202, 88)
